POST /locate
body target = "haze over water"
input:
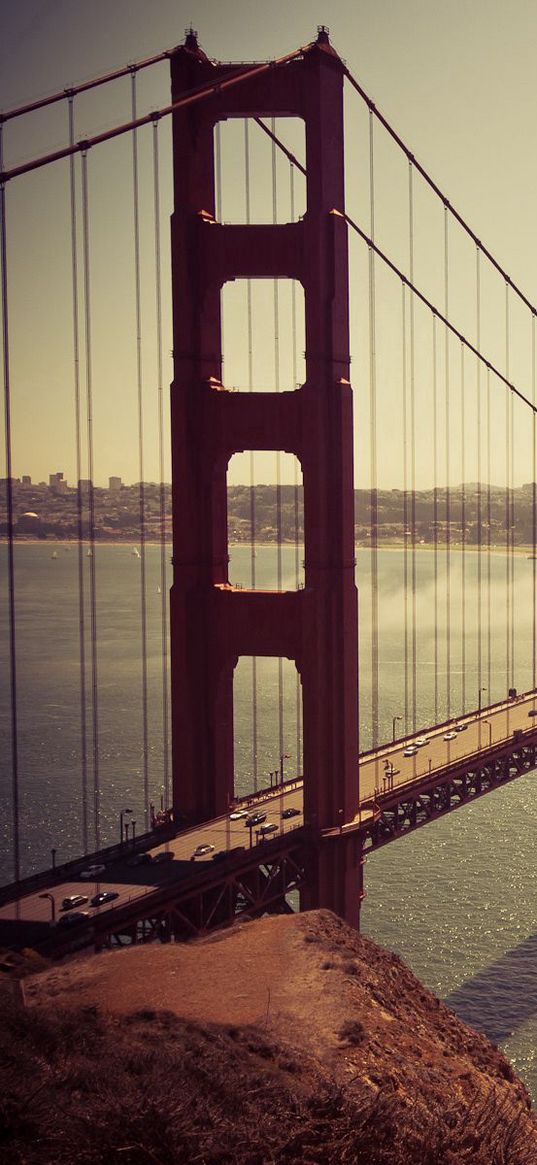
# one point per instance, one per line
(457, 899)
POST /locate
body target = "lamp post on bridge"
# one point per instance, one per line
(489, 726)
(121, 816)
(394, 721)
(479, 699)
(284, 756)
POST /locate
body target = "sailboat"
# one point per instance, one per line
(135, 552)
(54, 554)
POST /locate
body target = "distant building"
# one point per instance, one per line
(114, 484)
(84, 485)
(26, 479)
(57, 483)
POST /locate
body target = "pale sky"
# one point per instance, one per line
(457, 82)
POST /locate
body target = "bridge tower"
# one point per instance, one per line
(213, 624)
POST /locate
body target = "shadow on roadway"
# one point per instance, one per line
(501, 997)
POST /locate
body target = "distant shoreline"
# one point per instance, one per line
(529, 551)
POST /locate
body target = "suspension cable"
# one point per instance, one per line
(298, 691)
(463, 533)
(253, 548)
(10, 531)
(436, 189)
(373, 492)
(439, 315)
(91, 505)
(534, 515)
(435, 513)
(162, 492)
(405, 505)
(71, 91)
(141, 487)
(489, 536)
(448, 470)
(479, 485)
(276, 310)
(200, 93)
(80, 518)
(414, 613)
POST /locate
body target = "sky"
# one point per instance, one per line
(456, 81)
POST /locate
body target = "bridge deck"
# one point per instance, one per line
(384, 775)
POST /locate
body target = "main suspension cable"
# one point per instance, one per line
(71, 91)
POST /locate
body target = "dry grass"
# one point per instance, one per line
(152, 1089)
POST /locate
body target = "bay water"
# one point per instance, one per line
(457, 899)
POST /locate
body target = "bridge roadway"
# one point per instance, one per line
(381, 772)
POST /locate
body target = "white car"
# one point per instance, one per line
(450, 736)
(238, 814)
(411, 750)
(421, 740)
(92, 872)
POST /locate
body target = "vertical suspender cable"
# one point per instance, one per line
(79, 502)
(405, 508)
(10, 550)
(252, 455)
(508, 595)
(478, 497)
(91, 500)
(278, 453)
(511, 487)
(414, 614)
(373, 494)
(448, 470)
(298, 715)
(489, 540)
(463, 532)
(162, 491)
(533, 512)
(141, 487)
(435, 516)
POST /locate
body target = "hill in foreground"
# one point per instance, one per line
(288, 1040)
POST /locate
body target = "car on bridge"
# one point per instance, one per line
(238, 814)
(164, 855)
(461, 727)
(290, 812)
(421, 740)
(74, 900)
(201, 850)
(255, 819)
(104, 897)
(270, 827)
(450, 736)
(75, 919)
(411, 750)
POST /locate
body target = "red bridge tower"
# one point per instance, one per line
(212, 624)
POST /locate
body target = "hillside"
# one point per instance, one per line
(286, 1040)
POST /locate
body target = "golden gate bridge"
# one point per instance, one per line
(443, 391)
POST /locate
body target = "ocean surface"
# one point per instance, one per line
(457, 899)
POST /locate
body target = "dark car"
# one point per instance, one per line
(532, 712)
(140, 860)
(74, 900)
(290, 812)
(270, 827)
(104, 896)
(165, 855)
(74, 919)
(255, 819)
